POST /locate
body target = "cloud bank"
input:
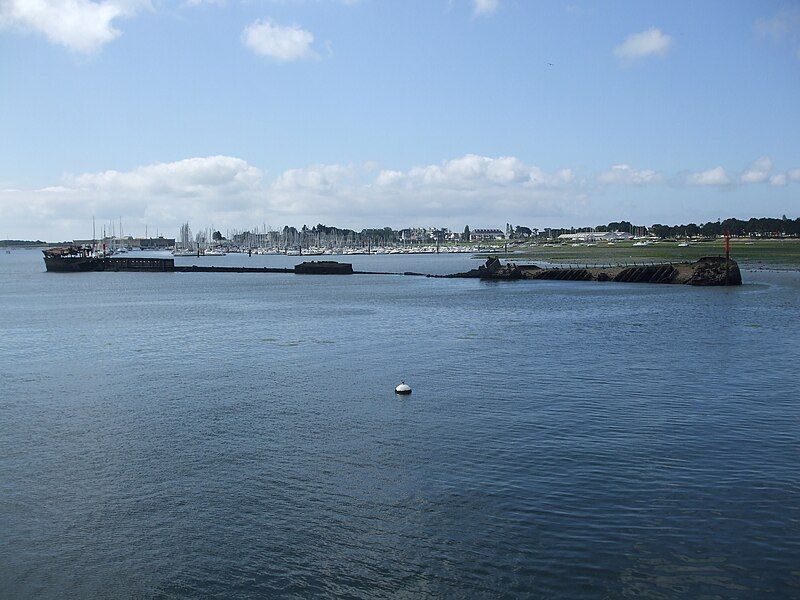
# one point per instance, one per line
(229, 192)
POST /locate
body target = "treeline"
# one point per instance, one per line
(755, 227)
(22, 243)
(376, 235)
(763, 227)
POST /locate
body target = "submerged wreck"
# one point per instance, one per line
(323, 267)
(707, 271)
(71, 259)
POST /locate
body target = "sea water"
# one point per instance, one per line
(197, 435)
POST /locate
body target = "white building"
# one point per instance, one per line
(596, 236)
(480, 235)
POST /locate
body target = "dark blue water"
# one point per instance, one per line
(198, 435)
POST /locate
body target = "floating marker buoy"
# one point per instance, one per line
(402, 389)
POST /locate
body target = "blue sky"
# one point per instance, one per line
(372, 112)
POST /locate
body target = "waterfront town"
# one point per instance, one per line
(321, 239)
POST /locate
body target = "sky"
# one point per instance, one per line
(368, 113)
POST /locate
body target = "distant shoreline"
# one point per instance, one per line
(759, 253)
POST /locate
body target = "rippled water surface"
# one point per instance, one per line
(194, 435)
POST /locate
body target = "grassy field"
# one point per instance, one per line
(783, 254)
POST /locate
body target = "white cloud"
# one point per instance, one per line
(468, 185)
(715, 176)
(758, 172)
(651, 42)
(215, 188)
(779, 180)
(794, 175)
(80, 25)
(469, 172)
(626, 175)
(786, 23)
(389, 177)
(485, 7)
(281, 43)
(783, 27)
(317, 178)
(191, 177)
(472, 171)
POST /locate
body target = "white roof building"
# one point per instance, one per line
(477, 235)
(596, 236)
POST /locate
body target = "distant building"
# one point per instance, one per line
(159, 243)
(421, 234)
(481, 235)
(596, 236)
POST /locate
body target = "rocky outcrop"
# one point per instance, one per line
(491, 269)
(715, 270)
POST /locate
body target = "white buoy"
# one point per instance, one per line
(402, 389)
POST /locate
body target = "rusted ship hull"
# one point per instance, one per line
(707, 271)
(72, 265)
(323, 267)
